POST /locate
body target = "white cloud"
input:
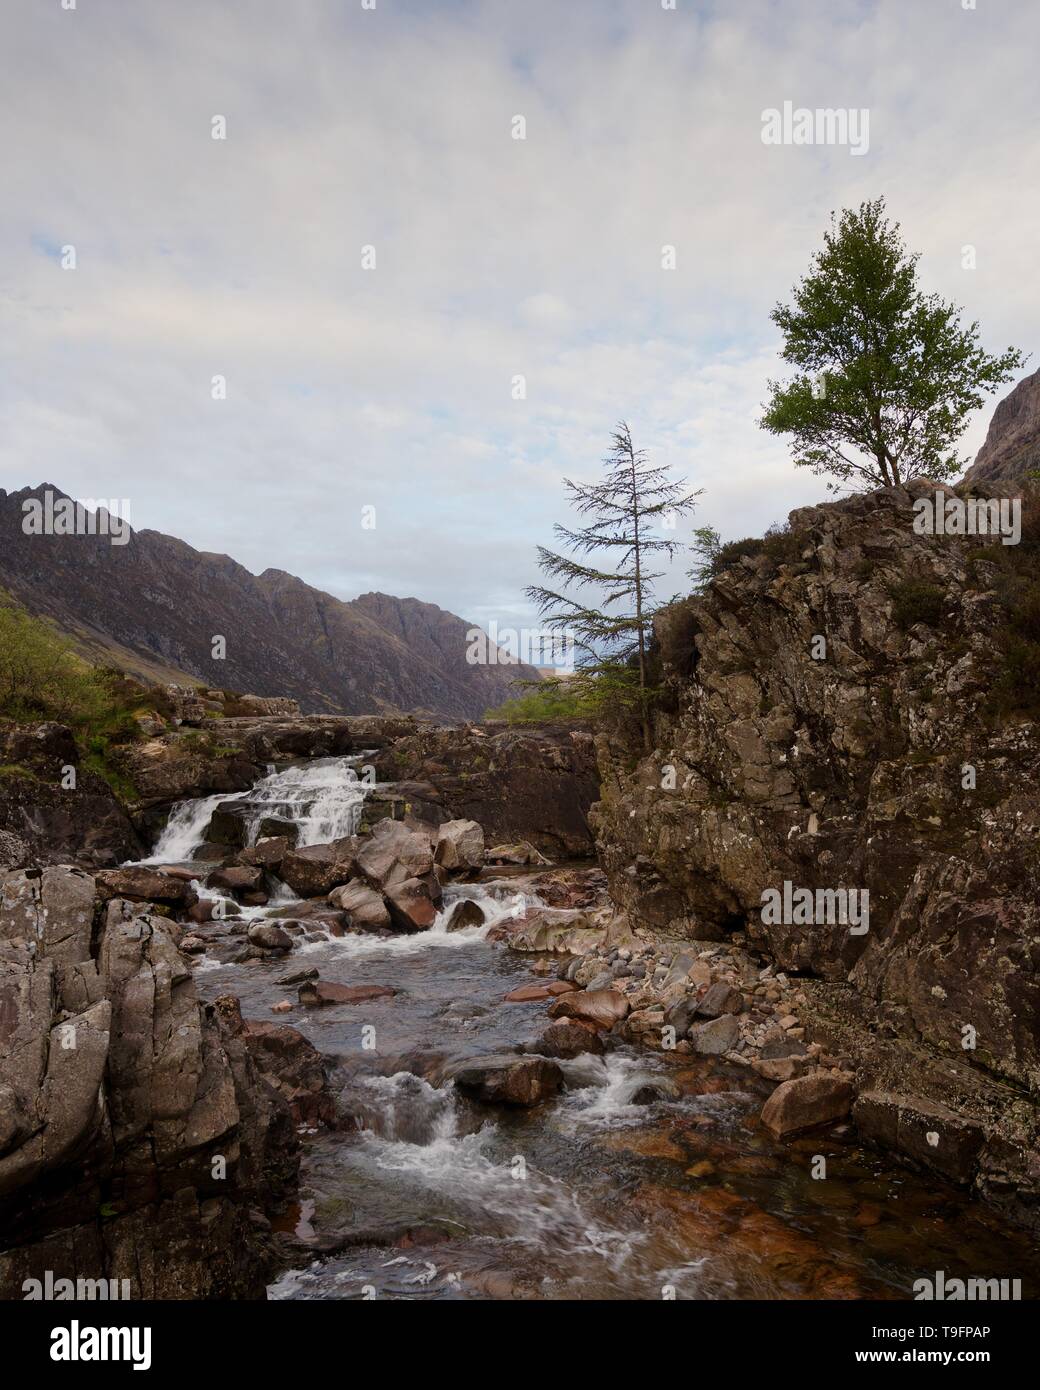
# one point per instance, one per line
(495, 257)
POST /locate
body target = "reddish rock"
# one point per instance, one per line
(601, 1007)
(806, 1102)
(317, 993)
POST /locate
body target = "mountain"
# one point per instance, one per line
(154, 606)
(1012, 447)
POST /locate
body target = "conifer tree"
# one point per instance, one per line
(630, 511)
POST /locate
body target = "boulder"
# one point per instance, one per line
(269, 937)
(460, 845)
(149, 1092)
(465, 913)
(273, 828)
(807, 1101)
(411, 905)
(509, 1079)
(534, 994)
(366, 907)
(315, 870)
(392, 854)
(237, 879)
(716, 1036)
(720, 998)
(922, 1130)
(229, 824)
(602, 1008)
(569, 1038)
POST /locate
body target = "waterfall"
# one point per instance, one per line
(322, 799)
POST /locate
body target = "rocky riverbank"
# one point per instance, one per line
(832, 722)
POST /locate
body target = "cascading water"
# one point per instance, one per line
(322, 798)
(432, 1195)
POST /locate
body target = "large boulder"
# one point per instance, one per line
(533, 783)
(393, 853)
(411, 903)
(460, 845)
(366, 907)
(807, 1101)
(508, 1079)
(314, 870)
(600, 1007)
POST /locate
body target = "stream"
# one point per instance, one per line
(595, 1194)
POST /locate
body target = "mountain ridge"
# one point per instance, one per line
(155, 606)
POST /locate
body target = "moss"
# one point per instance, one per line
(16, 772)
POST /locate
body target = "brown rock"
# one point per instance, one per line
(601, 1007)
(318, 993)
(806, 1102)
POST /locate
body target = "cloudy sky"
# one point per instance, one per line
(392, 127)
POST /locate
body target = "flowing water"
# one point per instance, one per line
(427, 1195)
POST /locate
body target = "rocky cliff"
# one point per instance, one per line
(134, 1115)
(1012, 447)
(847, 710)
(153, 606)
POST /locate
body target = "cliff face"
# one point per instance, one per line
(869, 760)
(154, 605)
(1012, 447)
(133, 1115)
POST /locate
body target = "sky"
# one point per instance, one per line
(391, 125)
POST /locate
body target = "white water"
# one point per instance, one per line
(323, 798)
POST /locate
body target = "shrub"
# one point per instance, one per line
(917, 601)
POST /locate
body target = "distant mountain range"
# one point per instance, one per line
(153, 607)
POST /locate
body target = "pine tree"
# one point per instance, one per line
(627, 507)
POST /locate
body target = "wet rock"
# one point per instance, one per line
(267, 853)
(411, 905)
(229, 824)
(460, 845)
(293, 1066)
(603, 1008)
(316, 870)
(269, 937)
(532, 994)
(655, 1089)
(192, 945)
(465, 913)
(273, 828)
(570, 1038)
(237, 878)
(806, 1102)
(921, 1130)
(321, 993)
(509, 1079)
(365, 906)
(297, 977)
(716, 1036)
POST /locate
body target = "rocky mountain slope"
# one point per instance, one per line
(831, 724)
(153, 607)
(1012, 447)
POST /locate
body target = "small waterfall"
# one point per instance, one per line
(322, 798)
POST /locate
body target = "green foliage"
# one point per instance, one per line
(551, 699)
(780, 543)
(41, 677)
(887, 376)
(16, 772)
(917, 601)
